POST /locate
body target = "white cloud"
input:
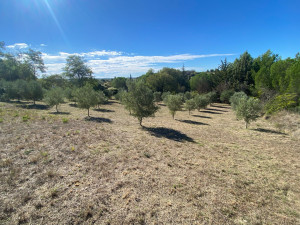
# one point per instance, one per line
(43, 45)
(18, 46)
(112, 63)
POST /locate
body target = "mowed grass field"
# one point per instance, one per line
(203, 168)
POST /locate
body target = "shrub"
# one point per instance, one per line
(281, 102)
(201, 102)
(190, 105)
(236, 98)
(54, 97)
(248, 110)
(164, 96)
(101, 98)
(174, 103)
(225, 95)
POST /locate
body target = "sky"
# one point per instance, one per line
(123, 37)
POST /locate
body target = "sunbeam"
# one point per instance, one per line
(56, 22)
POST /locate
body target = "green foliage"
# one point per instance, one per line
(248, 109)
(35, 91)
(174, 103)
(119, 83)
(202, 82)
(164, 96)
(65, 120)
(281, 102)
(190, 105)
(201, 101)
(70, 94)
(101, 98)
(86, 97)
(55, 80)
(167, 79)
(157, 96)
(187, 96)
(54, 97)
(236, 98)
(212, 97)
(140, 101)
(225, 95)
(77, 70)
(25, 118)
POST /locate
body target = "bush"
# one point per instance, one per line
(236, 98)
(201, 102)
(190, 105)
(248, 109)
(174, 103)
(225, 96)
(101, 98)
(54, 97)
(164, 96)
(281, 102)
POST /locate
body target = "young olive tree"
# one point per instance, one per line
(101, 98)
(174, 103)
(212, 97)
(201, 102)
(248, 110)
(157, 96)
(86, 97)
(236, 98)
(190, 105)
(35, 91)
(54, 97)
(140, 101)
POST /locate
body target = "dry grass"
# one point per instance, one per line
(199, 169)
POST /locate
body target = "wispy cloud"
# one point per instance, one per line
(18, 46)
(113, 63)
(43, 45)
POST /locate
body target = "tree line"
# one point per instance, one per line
(273, 81)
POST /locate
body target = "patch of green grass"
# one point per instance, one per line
(1, 120)
(25, 118)
(65, 120)
(28, 151)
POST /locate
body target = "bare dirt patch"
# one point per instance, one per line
(205, 168)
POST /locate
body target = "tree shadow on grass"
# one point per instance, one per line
(210, 112)
(268, 131)
(161, 104)
(104, 110)
(168, 133)
(60, 113)
(110, 102)
(218, 110)
(98, 119)
(205, 117)
(222, 107)
(73, 105)
(193, 122)
(36, 106)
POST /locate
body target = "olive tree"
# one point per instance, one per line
(201, 101)
(139, 100)
(174, 103)
(54, 97)
(190, 105)
(86, 97)
(248, 109)
(101, 98)
(236, 98)
(35, 91)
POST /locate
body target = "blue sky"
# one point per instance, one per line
(119, 37)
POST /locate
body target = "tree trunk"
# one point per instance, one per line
(140, 120)
(88, 112)
(33, 102)
(246, 125)
(56, 108)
